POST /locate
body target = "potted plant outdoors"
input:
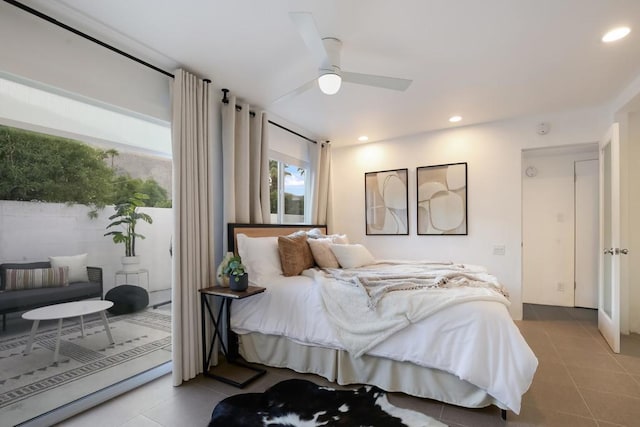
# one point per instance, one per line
(126, 218)
(238, 277)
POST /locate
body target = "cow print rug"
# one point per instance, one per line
(300, 403)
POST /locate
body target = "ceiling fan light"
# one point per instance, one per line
(616, 34)
(329, 83)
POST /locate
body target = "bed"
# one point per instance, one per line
(467, 352)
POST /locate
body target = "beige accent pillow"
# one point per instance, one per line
(352, 256)
(77, 266)
(295, 254)
(322, 254)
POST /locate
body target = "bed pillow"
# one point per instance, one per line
(77, 266)
(316, 233)
(295, 254)
(351, 256)
(32, 278)
(260, 256)
(322, 254)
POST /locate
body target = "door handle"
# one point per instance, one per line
(608, 251)
(624, 251)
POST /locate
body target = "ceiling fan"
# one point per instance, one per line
(326, 52)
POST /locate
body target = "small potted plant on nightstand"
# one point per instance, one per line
(238, 277)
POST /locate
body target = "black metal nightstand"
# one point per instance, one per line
(227, 296)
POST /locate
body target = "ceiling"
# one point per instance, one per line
(484, 60)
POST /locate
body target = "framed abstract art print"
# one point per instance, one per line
(442, 199)
(386, 202)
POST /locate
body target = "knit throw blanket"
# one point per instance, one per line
(382, 278)
(367, 305)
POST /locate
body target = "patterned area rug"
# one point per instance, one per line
(33, 384)
(300, 403)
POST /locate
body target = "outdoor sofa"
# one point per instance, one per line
(27, 299)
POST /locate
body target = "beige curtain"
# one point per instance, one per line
(193, 246)
(245, 164)
(320, 175)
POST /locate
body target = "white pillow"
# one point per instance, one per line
(260, 255)
(322, 254)
(315, 233)
(77, 266)
(351, 256)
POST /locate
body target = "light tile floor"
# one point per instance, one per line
(579, 382)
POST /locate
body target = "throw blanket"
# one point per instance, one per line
(367, 305)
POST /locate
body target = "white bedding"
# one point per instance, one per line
(369, 304)
(475, 340)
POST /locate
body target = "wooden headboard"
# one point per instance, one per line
(264, 230)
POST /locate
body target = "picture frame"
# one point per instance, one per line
(441, 199)
(387, 202)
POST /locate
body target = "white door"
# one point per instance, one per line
(609, 265)
(586, 233)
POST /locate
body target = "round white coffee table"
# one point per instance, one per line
(65, 311)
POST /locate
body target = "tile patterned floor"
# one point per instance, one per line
(579, 382)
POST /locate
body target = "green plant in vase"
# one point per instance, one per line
(237, 273)
(124, 221)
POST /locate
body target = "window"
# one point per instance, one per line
(289, 177)
(57, 148)
(287, 190)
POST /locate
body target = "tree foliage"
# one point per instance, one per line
(51, 169)
(124, 186)
(293, 204)
(273, 185)
(46, 168)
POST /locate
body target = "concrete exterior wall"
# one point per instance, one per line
(33, 231)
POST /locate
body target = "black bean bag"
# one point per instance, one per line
(127, 299)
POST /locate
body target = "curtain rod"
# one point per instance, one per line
(131, 57)
(87, 36)
(225, 100)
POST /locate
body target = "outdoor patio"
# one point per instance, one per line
(33, 384)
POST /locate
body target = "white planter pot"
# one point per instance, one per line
(130, 263)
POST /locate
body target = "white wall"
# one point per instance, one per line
(493, 152)
(33, 231)
(633, 240)
(548, 225)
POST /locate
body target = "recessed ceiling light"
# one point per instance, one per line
(363, 138)
(616, 34)
(454, 119)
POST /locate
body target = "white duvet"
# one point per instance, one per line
(475, 340)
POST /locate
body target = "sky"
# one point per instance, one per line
(294, 183)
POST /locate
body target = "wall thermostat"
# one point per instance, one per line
(543, 128)
(531, 171)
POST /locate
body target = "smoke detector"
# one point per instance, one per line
(543, 128)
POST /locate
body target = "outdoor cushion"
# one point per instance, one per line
(127, 299)
(33, 278)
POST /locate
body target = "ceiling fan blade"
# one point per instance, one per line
(305, 87)
(309, 32)
(392, 83)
